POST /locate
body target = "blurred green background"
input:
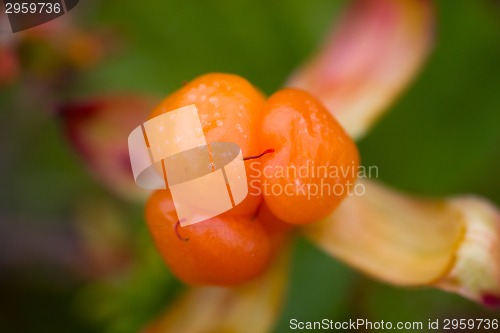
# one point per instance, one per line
(442, 137)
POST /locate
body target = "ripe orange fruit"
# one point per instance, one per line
(239, 244)
(224, 250)
(230, 110)
(314, 164)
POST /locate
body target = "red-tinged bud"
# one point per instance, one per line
(98, 129)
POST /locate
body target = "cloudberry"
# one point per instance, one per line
(230, 110)
(223, 250)
(315, 162)
(295, 129)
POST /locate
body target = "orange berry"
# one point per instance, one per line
(230, 110)
(314, 164)
(223, 250)
(239, 244)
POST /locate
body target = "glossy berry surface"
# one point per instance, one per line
(230, 110)
(223, 250)
(315, 161)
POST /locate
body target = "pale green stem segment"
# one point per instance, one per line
(475, 273)
(250, 308)
(453, 244)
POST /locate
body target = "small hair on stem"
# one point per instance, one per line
(267, 151)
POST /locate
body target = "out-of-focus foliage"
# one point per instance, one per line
(440, 138)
